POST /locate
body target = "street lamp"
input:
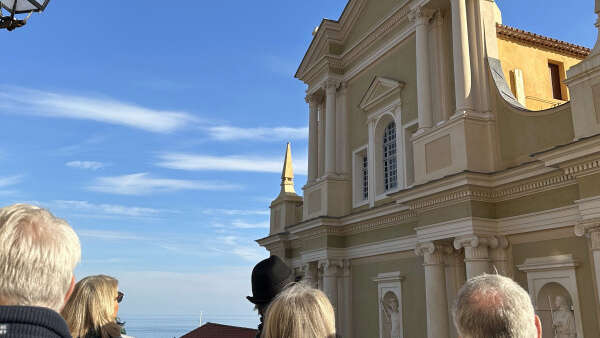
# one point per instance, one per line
(14, 7)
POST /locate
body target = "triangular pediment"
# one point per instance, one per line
(380, 90)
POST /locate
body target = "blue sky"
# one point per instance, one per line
(159, 135)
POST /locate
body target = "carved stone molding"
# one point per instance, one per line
(433, 253)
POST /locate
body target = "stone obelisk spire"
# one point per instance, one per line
(286, 209)
(287, 175)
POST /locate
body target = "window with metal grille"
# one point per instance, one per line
(390, 175)
(365, 177)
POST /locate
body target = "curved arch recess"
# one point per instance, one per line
(523, 132)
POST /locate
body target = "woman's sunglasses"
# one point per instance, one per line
(120, 296)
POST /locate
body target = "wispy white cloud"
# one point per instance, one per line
(240, 224)
(10, 180)
(228, 163)
(242, 248)
(231, 133)
(107, 209)
(144, 184)
(234, 212)
(111, 235)
(92, 165)
(107, 110)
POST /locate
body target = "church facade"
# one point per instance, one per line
(443, 145)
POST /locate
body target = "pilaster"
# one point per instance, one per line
(313, 130)
(455, 279)
(591, 230)
(346, 301)
(500, 257)
(421, 16)
(462, 58)
(435, 288)
(332, 270)
(331, 87)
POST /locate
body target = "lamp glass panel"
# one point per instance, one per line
(23, 6)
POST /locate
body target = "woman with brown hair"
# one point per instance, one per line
(300, 311)
(92, 310)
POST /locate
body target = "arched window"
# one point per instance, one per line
(390, 175)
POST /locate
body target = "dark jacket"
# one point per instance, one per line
(31, 322)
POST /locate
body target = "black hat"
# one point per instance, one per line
(269, 277)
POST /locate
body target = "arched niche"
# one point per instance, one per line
(546, 275)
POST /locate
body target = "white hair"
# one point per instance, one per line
(494, 306)
(38, 253)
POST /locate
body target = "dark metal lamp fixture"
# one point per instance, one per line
(20, 7)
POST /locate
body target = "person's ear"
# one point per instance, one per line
(70, 291)
(538, 326)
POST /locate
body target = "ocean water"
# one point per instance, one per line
(157, 326)
(170, 326)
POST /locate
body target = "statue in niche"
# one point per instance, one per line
(391, 311)
(563, 320)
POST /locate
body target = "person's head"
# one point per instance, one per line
(93, 305)
(300, 311)
(38, 253)
(494, 306)
(269, 277)
(561, 303)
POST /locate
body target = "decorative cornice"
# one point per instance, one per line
(584, 168)
(492, 195)
(563, 47)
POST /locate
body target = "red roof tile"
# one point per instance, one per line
(212, 330)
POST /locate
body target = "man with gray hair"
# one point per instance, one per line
(38, 253)
(494, 306)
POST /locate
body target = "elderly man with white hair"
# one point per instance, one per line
(494, 306)
(38, 253)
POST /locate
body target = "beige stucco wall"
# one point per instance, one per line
(533, 61)
(578, 247)
(365, 297)
(525, 133)
(393, 65)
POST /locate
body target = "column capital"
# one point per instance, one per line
(313, 98)
(433, 253)
(421, 15)
(474, 241)
(331, 84)
(591, 230)
(331, 267)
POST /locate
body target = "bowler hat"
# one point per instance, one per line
(269, 277)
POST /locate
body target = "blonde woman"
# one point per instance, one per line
(91, 312)
(300, 311)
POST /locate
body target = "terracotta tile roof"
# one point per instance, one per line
(212, 330)
(542, 41)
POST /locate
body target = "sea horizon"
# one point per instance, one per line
(177, 325)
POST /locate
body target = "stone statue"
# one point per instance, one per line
(563, 320)
(390, 306)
